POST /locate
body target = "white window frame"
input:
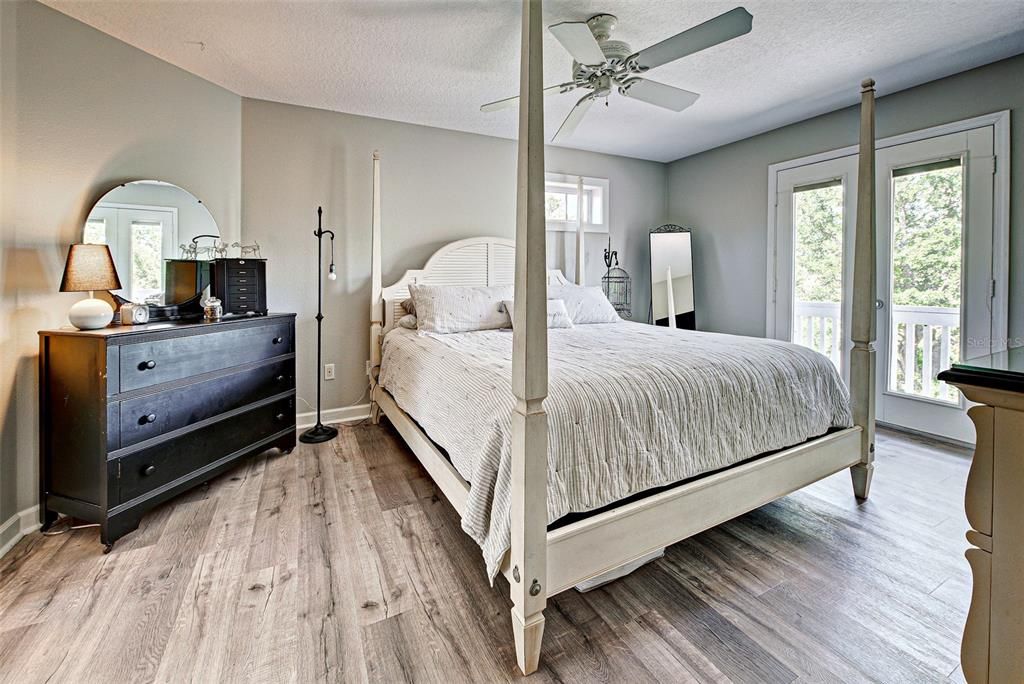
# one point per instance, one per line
(563, 182)
(1000, 121)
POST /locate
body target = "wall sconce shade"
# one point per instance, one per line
(89, 267)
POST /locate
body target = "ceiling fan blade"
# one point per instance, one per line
(578, 41)
(576, 115)
(659, 94)
(514, 101)
(732, 24)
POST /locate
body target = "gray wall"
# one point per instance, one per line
(79, 113)
(722, 193)
(438, 186)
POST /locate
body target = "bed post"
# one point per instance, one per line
(376, 303)
(862, 358)
(528, 586)
(581, 271)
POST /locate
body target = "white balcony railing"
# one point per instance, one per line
(925, 341)
(817, 326)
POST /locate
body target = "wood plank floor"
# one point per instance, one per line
(340, 562)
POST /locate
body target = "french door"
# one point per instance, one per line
(138, 238)
(935, 273)
(934, 212)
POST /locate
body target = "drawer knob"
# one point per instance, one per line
(149, 418)
(278, 340)
(149, 470)
(279, 417)
(280, 378)
(147, 365)
(243, 280)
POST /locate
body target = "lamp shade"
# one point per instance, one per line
(89, 267)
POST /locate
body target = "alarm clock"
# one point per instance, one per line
(134, 314)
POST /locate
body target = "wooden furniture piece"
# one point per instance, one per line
(240, 285)
(132, 416)
(993, 644)
(542, 563)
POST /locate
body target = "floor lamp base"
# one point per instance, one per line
(319, 433)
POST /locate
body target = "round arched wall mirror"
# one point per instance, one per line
(162, 239)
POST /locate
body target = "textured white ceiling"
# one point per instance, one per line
(434, 62)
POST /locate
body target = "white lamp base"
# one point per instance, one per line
(91, 314)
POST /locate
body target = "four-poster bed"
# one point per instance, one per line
(543, 561)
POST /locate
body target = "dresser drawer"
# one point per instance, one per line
(241, 264)
(149, 469)
(154, 414)
(149, 363)
(243, 289)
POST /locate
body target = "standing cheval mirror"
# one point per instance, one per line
(672, 278)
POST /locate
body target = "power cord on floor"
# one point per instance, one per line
(353, 404)
(66, 524)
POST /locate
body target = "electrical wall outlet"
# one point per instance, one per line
(328, 371)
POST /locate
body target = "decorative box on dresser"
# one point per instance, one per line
(132, 416)
(993, 644)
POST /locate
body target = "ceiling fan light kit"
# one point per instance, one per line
(601, 65)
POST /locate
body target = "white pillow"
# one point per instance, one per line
(453, 309)
(585, 304)
(558, 317)
(407, 321)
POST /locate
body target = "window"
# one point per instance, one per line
(147, 261)
(927, 272)
(95, 231)
(561, 203)
(818, 268)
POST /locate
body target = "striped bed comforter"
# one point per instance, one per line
(630, 407)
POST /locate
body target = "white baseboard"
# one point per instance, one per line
(22, 523)
(348, 414)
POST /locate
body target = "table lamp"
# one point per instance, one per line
(89, 268)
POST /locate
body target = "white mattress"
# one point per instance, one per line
(630, 407)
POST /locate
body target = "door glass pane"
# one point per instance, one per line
(95, 232)
(927, 257)
(818, 268)
(147, 262)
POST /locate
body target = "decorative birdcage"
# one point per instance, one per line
(617, 288)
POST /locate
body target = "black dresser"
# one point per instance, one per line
(240, 285)
(132, 416)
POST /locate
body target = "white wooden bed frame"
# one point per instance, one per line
(542, 563)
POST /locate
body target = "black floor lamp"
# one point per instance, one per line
(320, 432)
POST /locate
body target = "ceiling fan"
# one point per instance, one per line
(601, 64)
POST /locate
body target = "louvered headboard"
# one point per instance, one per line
(474, 261)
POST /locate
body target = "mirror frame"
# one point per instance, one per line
(667, 228)
(191, 308)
